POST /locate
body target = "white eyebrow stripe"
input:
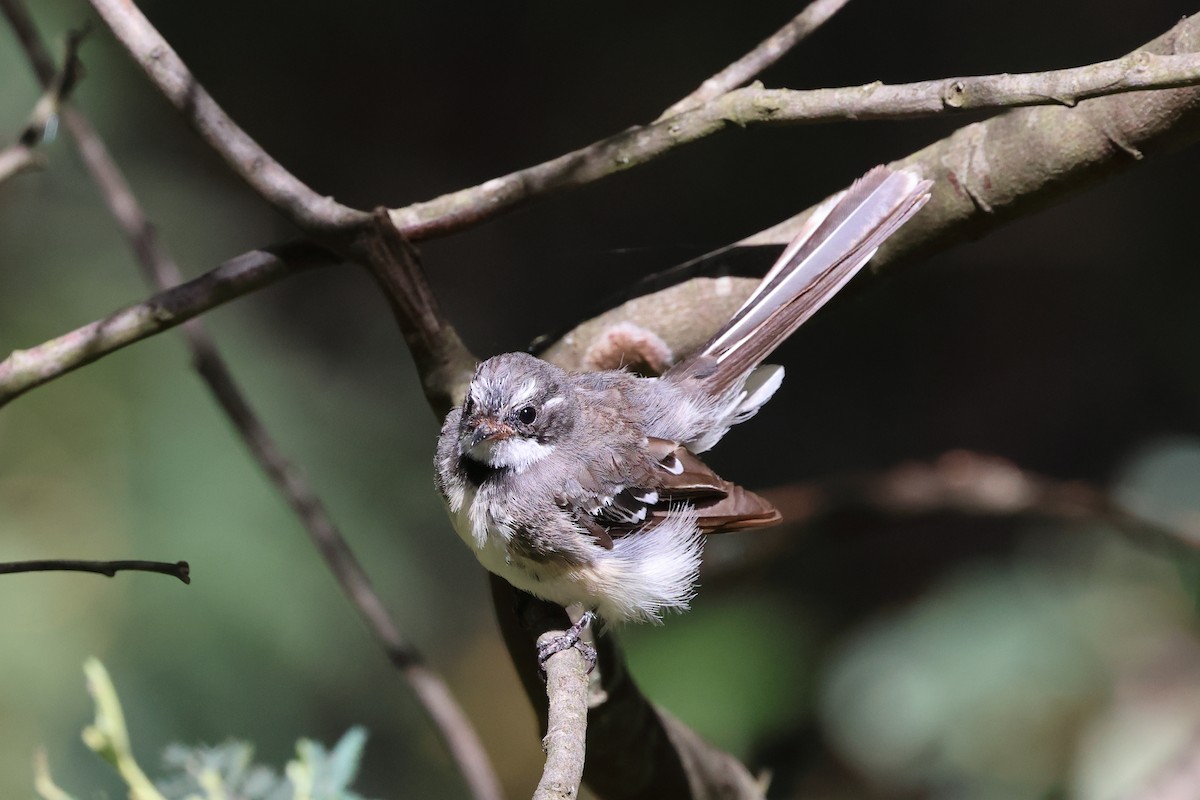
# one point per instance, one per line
(553, 401)
(525, 391)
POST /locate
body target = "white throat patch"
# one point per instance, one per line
(517, 453)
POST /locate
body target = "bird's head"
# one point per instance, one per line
(517, 410)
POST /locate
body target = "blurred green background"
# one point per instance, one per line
(934, 656)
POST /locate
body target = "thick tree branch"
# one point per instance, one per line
(314, 214)
(179, 569)
(443, 361)
(565, 740)
(770, 50)
(990, 172)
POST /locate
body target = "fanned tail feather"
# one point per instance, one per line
(837, 240)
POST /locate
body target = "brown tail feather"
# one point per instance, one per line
(818, 262)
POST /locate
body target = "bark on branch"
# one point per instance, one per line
(314, 214)
(768, 51)
(23, 370)
(1151, 69)
(635, 750)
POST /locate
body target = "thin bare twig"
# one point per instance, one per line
(23, 370)
(770, 50)
(179, 569)
(755, 105)
(443, 710)
(161, 270)
(315, 214)
(21, 155)
(957, 482)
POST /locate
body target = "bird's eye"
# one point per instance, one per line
(527, 415)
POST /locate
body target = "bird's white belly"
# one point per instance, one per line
(488, 540)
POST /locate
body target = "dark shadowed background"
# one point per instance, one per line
(943, 656)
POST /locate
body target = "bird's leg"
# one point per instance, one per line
(571, 637)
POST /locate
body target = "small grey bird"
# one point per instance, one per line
(585, 488)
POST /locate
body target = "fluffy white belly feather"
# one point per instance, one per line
(641, 577)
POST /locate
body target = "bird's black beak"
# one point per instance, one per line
(488, 429)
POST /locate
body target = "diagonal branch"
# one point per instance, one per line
(442, 360)
(313, 213)
(770, 50)
(58, 85)
(330, 221)
(23, 370)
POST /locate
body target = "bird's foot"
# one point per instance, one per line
(571, 637)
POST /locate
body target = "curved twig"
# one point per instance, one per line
(768, 51)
